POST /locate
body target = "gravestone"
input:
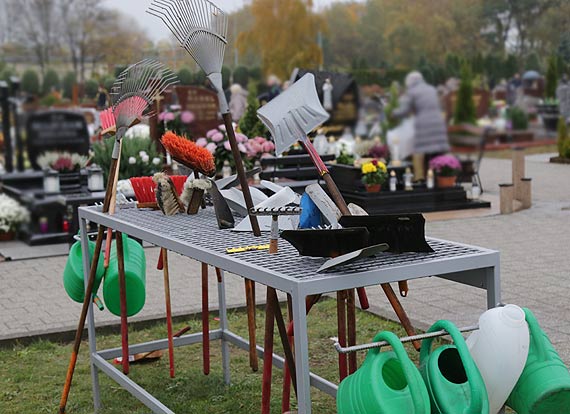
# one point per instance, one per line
(56, 131)
(481, 98)
(204, 104)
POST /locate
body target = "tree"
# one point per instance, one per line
(31, 82)
(551, 78)
(81, 29)
(69, 80)
(51, 80)
(465, 107)
(250, 124)
(91, 88)
(35, 25)
(185, 76)
(241, 76)
(284, 34)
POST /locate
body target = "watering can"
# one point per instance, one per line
(544, 386)
(73, 281)
(135, 278)
(386, 383)
(453, 381)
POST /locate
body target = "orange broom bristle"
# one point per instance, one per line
(145, 187)
(189, 154)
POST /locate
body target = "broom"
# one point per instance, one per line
(146, 79)
(145, 189)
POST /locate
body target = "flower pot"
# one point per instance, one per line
(373, 188)
(446, 182)
(7, 236)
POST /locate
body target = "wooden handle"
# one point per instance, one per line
(123, 302)
(400, 312)
(267, 355)
(341, 320)
(88, 293)
(251, 325)
(403, 288)
(273, 246)
(351, 328)
(164, 256)
(228, 122)
(205, 320)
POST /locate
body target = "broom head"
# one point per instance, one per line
(189, 154)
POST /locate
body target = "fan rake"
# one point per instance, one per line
(201, 28)
(133, 92)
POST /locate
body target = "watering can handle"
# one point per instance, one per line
(471, 369)
(536, 335)
(407, 365)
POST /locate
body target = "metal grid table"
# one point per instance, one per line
(198, 237)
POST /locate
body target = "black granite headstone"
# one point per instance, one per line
(56, 131)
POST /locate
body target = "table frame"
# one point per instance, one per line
(480, 270)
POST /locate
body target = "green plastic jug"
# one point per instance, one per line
(73, 281)
(453, 381)
(386, 383)
(544, 385)
(135, 278)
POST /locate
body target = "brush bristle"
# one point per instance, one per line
(189, 154)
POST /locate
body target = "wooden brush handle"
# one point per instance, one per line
(241, 172)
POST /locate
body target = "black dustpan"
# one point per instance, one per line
(327, 243)
(402, 232)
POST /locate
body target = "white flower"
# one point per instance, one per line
(142, 154)
(12, 214)
(145, 158)
(132, 160)
(156, 160)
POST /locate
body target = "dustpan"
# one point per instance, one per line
(402, 232)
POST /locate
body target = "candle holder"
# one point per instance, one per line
(95, 179)
(51, 182)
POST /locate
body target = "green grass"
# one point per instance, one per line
(31, 377)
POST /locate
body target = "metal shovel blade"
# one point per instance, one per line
(353, 256)
(224, 215)
(293, 114)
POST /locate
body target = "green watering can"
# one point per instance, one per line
(386, 383)
(544, 385)
(135, 278)
(73, 281)
(453, 381)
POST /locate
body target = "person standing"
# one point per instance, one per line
(430, 139)
(238, 101)
(103, 98)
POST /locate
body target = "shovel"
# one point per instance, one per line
(290, 117)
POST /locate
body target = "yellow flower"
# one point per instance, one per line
(369, 168)
(382, 167)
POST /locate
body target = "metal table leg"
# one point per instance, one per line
(493, 276)
(224, 324)
(90, 318)
(302, 352)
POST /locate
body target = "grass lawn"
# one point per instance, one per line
(31, 377)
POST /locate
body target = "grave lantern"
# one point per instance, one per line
(51, 181)
(95, 179)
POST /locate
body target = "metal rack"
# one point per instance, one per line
(198, 237)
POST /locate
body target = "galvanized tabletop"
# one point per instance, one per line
(198, 237)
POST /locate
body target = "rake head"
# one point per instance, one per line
(293, 114)
(135, 90)
(201, 28)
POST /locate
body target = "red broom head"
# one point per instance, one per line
(189, 154)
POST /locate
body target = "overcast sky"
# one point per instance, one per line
(156, 29)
